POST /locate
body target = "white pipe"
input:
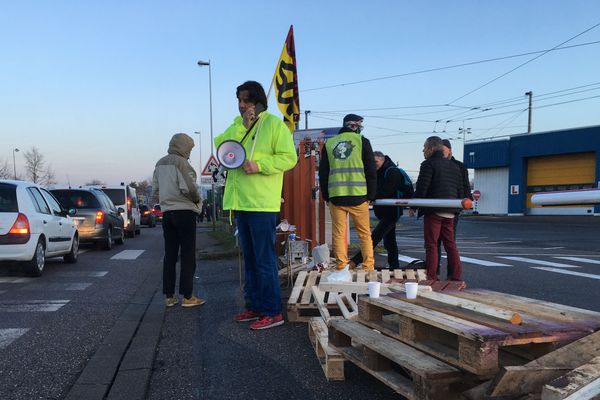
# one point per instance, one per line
(435, 203)
(568, 197)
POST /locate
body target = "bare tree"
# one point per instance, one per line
(5, 171)
(36, 168)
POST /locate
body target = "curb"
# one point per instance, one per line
(122, 366)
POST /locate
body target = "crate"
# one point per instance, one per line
(297, 249)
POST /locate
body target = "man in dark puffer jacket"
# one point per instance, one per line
(392, 183)
(439, 178)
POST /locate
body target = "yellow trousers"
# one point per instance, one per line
(360, 217)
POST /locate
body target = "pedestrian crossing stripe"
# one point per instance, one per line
(540, 262)
(9, 335)
(80, 274)
(33, 306)
(15, 279)
(481, 262)
(567, 272)
(127, 255)
(57, 286)
(579, 259)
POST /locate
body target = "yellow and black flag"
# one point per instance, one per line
(286, 83)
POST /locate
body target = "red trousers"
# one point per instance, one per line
(436, 227)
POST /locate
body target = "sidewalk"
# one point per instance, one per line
(203, 354)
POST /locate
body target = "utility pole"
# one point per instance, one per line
(530, 94)
(306, 118)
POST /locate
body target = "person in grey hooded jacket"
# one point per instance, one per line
(174, 187)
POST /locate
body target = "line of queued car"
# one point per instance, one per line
(37, 223)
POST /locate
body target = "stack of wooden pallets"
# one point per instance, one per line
(441, 345)
(474, 344)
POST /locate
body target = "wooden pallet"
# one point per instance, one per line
(330, 359)
(408, 371)
(302, 304)
(473, 341)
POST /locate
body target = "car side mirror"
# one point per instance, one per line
(120, 210)
(71, 212)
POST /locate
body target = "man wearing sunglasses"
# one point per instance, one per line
(348, 181)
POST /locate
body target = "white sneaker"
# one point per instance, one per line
(341, 275)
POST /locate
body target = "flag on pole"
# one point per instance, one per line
(286, 83)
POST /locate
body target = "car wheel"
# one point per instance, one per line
(107, 245)
(121, 239)
(71, 258)
(35, 266)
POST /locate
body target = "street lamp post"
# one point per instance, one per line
(214, 202)
(15, 163)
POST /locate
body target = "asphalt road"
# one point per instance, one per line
(52, 326)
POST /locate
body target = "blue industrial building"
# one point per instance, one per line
(508, 172)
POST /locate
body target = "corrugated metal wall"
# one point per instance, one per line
(493, 185)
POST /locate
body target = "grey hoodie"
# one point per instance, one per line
(174, 179)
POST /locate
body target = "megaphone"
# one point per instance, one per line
(231, 154)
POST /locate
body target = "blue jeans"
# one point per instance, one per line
(257, 238)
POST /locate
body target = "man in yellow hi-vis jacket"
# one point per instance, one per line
(348, 181)
(253, 192)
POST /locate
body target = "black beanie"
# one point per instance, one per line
(352, 118)
(447, 143)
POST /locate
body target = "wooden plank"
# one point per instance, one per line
(590, 391)
(410, 274)
(331, 360)
(413, 360)
(569, 357)
(312, 279)
(573, 382)
(455, 325)
(360, 276)
(318, 296)
(541, 308)
(297, 289)
(398, 274)
(350, 287)
(421, 274)
(385, 275)
(511, 316)
(344, 298)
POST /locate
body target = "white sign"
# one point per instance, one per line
(211, 166)
(514, 189)
(208, 181)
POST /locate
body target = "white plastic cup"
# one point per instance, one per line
(411, 289)
(374, 288)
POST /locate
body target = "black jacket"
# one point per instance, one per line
(370, 175)
(392, 183)
(465, 178)
(439, 178)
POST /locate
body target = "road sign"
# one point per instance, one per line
(476, 195)
(211, 166)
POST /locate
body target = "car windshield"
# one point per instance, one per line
(116, 195)
(76, 199)
(8, 198)
(143, 207)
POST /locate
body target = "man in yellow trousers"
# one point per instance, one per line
(348, 181)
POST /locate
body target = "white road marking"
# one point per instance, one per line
(9, 335)
(481, 262)
(15, 279)
(579, 259)
(79, 274)
(403, 258)
(127, 255)
(57, 286)
(553, 248)
(503, 241)
(562, 271)
(540, 262)
(33, 306)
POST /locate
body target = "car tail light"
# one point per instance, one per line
(99, 217)
(146, 212)
(128, 204)
(21, 226)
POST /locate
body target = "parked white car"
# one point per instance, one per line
(34, 226)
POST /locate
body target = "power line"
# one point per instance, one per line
(449, 66)
(523, 64)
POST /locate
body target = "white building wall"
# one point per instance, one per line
(493, 185)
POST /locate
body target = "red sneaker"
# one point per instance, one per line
(246, 316)
(266, 322)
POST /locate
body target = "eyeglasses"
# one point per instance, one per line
(354, 125)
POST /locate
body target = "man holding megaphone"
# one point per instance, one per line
(263, 150)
